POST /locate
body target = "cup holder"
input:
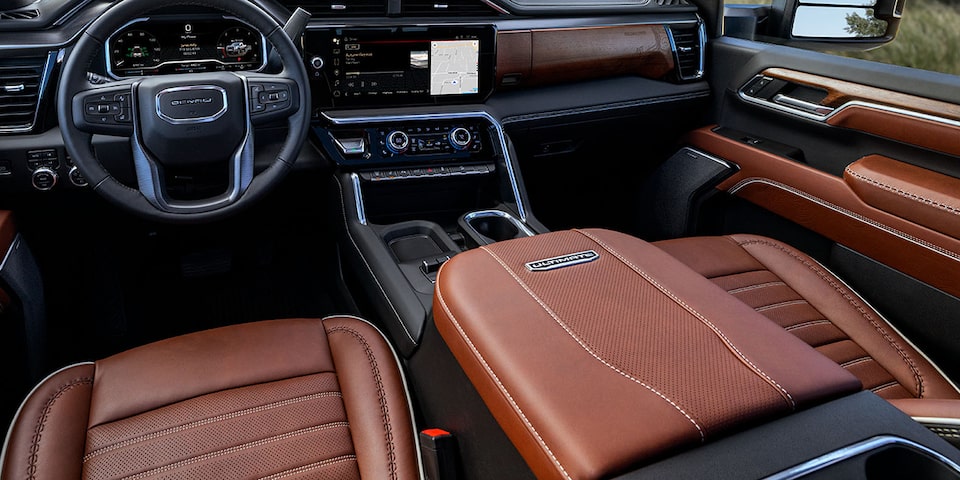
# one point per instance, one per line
(488, 226)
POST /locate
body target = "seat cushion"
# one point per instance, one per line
(807, 300)
(311, 398)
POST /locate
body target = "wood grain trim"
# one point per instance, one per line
(925, 197)
(840, 92)
(827, 205)
(921, 132)
(572, 54)
(513, 55)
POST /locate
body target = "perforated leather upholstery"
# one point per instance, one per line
(803, 297)
(278, 399)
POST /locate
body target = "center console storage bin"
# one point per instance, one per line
(597, 352)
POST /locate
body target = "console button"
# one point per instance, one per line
(460, 138)
(44, 179)
(398, 141)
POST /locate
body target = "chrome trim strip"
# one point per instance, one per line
(843, 211)
(346, 226)
(802, 105)
(358, 197)
(13, 246)
(937, 420)
(107, 49)
(502, 25)
(823, 118)
(499, 213)
(702, 36)
(53, 57)
(6, 440)
(730, 165)
(851, 451)
(496, 7)
(521, 210)
(191, 120)
(71, 12)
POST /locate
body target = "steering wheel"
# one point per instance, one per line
(183, 121)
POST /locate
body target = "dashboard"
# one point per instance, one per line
(170, 44)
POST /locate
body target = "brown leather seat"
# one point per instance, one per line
(807, 300)
(278, 399)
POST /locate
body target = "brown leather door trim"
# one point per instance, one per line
(918, 121)
(840, 92)
(922, 196)
(853, 215)
(827, 205)
(931, 133)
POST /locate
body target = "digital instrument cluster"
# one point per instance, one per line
(162, 45)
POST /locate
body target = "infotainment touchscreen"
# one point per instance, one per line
(397, 66)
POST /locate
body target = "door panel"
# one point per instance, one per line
(827, 205)
(863, 154)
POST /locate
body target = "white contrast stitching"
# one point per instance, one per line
(208, 421)
(773, 383)
(857, 361)
(583, 344)
(309, 466)
(843, 211)
(904, 193)
(500, 385)
(756, 287)
(811, 323)
(234, 449)
(774, 306)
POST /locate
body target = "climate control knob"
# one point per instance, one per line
(398, 141)
(460, 138)
(44, 179)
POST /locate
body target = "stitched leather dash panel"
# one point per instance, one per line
(595, 367)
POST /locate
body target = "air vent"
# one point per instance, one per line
(672, 3)
(343, 8)
(20, 81)
(688, 50)
(19, 14)
(478, 8)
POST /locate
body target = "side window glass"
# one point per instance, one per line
(922, 34)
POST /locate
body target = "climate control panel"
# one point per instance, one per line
(425, 142)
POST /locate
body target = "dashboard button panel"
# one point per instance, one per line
(431, 142)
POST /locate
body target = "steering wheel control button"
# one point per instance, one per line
(269, 100)
(44, 179)
(76, 178)
(192, 104)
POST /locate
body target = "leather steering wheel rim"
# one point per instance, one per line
(73, 82)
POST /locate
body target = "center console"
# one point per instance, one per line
(418, 186)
